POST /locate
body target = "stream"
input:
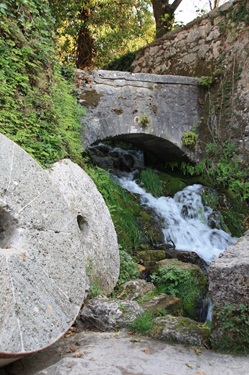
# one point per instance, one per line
(184, 218)
(186, 222)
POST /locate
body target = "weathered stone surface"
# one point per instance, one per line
(229, 275)
(42, 263)
(122, 98)
(105, 314)
(180, 330)
(216, 41)
(229, 290)
(97, 233)
(109, 353)
(135, 289)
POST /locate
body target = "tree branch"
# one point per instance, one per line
(176, 4)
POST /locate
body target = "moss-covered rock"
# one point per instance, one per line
(162, 304)
(135, 289)
(181, 331)
(230, 329)
(149, 258)
(183, 280)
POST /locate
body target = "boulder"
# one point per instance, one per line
(107, 314)
(229, 290)
(135, 289)
(148, 258)
(163, 302)
(97, 233)
(229, 275)
(181, 331)
(42, 262)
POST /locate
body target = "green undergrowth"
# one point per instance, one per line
(143, 323)
(37, 108)
(123, 206)
(160, 183)
(221, 168)
(230, 329)
(180, 280)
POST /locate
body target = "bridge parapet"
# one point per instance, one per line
(152, 111)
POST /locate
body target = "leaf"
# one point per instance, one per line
(197, 351)
(189, 365)
(78, 355)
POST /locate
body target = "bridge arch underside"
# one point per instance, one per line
(161, 148)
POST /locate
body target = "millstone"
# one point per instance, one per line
(42, 266)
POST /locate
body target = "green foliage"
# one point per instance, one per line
(239, 13)
(33, 94)
(189, 139)
(187, 284)
(151, 182)
(222, 168)
(128, 268)
(205, 81)
(144, 121)
(123, 63)
(233, 323)
(143, 323)
(115, 27)
(95, 291)
(123, 207)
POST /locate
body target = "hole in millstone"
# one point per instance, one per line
(82, 223)
(8, 228)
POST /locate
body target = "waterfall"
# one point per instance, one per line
(184, 219)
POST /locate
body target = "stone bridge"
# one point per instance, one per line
(148, 110)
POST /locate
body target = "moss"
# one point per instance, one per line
(230, 328)
(189, 139)
(90, 98)
(183, 280)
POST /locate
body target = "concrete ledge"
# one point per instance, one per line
(103, 75)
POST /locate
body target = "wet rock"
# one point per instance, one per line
(135, 289)
(96, 229)
(186, 257)
(149, 258)
(115, 159)
(105, 314)
(180, 330)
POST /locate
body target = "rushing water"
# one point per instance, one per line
(184, 219)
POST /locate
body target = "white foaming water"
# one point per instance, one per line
(184, 220)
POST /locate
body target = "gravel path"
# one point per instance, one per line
(102, 353)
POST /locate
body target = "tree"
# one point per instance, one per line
(95, 32)
(164, 15)
(214, 4)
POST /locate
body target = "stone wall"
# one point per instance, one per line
(216, 48)
(148, 110)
